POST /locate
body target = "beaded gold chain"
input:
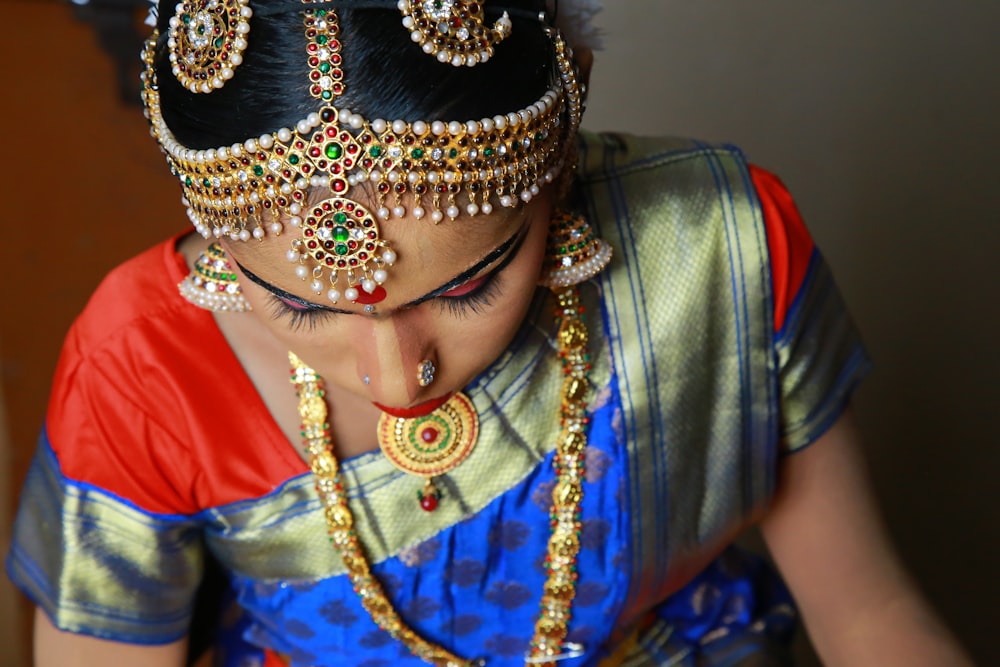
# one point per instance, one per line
(564, 541)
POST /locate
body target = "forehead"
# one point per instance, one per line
(428, 254)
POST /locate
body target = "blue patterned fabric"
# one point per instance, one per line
(474, 588)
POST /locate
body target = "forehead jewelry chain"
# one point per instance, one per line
(548, 643)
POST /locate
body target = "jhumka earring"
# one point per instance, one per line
(207, 40)
(573, 254)
(212, 284)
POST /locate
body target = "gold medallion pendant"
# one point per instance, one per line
(431, 444)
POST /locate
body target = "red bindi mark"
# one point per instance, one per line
(466, 288)
(366, 299)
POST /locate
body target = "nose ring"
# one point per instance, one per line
(425, 372)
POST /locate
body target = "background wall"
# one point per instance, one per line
(881, 118)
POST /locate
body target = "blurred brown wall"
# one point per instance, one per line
(84, 186)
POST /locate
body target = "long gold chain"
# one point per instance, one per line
(564, 541)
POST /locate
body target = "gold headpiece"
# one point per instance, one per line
(453, 30)
(244, 190)
(207, 39)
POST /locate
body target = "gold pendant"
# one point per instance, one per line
(432, 444)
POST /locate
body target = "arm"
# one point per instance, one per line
(859, 605)
(55, 648)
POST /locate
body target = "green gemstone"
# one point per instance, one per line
(539, 136)
(188, 182)
(258, 170)
(334, 151)
(218, 42)
(417, 153)
(322, 39)
(340, 218)
(453, 153)
(375, 151)
(341, 234)
(320, 12)
(186, 18)
(207, 183)
(324, 67)
(293, 159)
(326, 95)
(340, 249)
(488, 152)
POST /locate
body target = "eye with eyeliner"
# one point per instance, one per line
(474, 296)
(471, 296)
(299, 315)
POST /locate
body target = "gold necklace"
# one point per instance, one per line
(564, 541)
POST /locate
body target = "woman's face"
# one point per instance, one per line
(456, 296)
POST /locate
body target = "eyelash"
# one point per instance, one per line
(298, 318)
(473, 302)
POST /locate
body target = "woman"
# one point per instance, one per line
(539, 380)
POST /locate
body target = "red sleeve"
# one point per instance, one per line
(788, 241)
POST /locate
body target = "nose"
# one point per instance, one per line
(390, 353)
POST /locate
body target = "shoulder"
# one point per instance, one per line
(130, 364)
(609, 156)
(132, 297)
(133, 329)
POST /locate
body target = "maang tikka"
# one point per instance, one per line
(434, 169)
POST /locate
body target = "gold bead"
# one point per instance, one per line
(572, 333)
(575, 389)
(567, 492)
(323, 466)
(339, 516)
(312, 408)
(573, 443)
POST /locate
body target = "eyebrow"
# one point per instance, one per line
(515, 241)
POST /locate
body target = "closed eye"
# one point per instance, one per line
(298, 316)
(472, 297)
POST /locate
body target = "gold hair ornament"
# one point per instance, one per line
(548, 644)
(454, 31)
(206, 42)
(442, 168)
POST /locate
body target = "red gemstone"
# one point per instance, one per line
(429, 434)
(429, 503)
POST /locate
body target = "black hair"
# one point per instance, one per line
(386, 75)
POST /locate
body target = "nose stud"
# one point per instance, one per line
(425, 372)
(366, 380)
